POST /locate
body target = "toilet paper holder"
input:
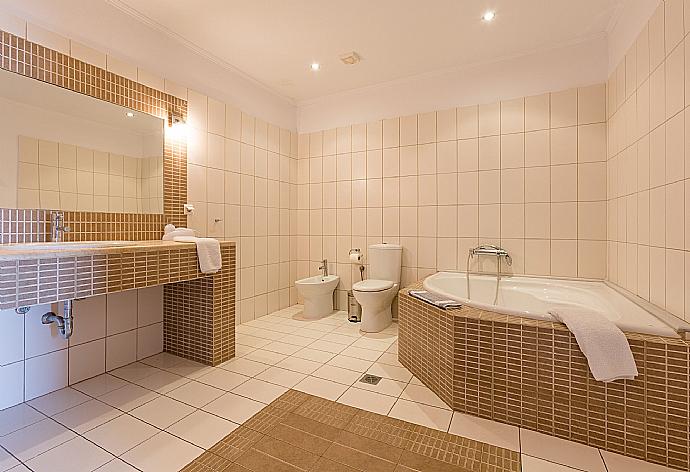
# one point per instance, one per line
(355, 255)
(355, 250)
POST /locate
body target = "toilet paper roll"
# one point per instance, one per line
(356, 257)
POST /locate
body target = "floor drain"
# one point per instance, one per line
(370, 379)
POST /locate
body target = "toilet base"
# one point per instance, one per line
(373, 322)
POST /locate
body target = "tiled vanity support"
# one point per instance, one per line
(532, 374)
(199, 315)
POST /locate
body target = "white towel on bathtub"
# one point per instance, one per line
(208, 252)
(604, 345)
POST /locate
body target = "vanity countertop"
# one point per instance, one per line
(31, 251)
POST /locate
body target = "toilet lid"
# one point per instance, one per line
(372, 285)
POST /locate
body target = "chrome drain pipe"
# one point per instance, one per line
(65, 322)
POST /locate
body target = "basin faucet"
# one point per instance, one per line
(57, 226)
(491, 250)
(324, 267)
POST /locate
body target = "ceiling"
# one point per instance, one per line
(275, 41)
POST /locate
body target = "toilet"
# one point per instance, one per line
(376, 293)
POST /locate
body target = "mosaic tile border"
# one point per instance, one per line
(298, 431)
(532, 374)
(41, 63)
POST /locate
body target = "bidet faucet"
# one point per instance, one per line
(324, 267)
(57, 226)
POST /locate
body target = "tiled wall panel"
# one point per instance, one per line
(528, 174)
(648, 163)
(532, 374)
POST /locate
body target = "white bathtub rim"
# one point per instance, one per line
(670, 321)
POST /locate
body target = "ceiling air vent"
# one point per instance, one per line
(350, 58)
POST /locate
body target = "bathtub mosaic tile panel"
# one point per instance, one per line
(199, 315)
(300, 432)
(38, 62)
(532, 374)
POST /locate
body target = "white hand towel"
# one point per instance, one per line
(604, 345)
(208, 252)
(170, 235)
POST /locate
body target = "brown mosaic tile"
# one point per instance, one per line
(532, 374)
(304, 437)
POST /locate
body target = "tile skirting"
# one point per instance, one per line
(298, 431)
(532, 374)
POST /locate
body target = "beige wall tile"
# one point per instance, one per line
(468, 122)
(564, 108)
(490, 119)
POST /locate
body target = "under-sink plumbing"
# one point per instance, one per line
(65, 322)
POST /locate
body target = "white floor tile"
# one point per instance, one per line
(321, 388)
(283, 377)
(31, 441)
(299, 365)
(339, 338)
(116, 465)
(327, 346)
(366, 400)
(223, 379)
(259, 390)
(121, 434)
(244, 366)
(617, 463)
(241, 351)
(487, 431)
(425, 415)
(561, 451)
(351, 363)
(128, 397)
(337, 374)
(161, 453)
(162, 381)
(196, 394)
(389, 359)
(389, 387)
(422, 394)
(58, 401)
(7, 461)
(296, 340)
(265, 357)
(17, 417)
(390, 372)
(372, 344)
(202, 429)
(87, 416)
(533, 464)
(100, 385)
(190, 369)
(134, 371)
(281, 348)
(314, 355)
(360, 353)
(76, 455)
(251, 341)
(162, 412)
(235, 408)
(162, 360)
(20, 468)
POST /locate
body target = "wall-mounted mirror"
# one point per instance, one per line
(63, 150)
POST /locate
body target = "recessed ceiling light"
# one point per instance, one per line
(129, 114)
(489, 15)
(315, 66)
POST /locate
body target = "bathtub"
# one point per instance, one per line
(531, 297)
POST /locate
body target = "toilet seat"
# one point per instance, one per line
(372, 285)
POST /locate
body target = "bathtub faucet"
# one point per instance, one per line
(491, 250)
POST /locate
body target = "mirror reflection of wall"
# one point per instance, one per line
(67, 151)
(75, 178)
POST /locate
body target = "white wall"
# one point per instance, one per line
(109, 332)
(631, 18)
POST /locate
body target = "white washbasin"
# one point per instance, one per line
(71, 246)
